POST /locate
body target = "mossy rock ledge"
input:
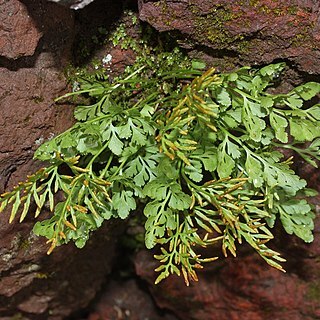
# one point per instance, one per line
(253, 31)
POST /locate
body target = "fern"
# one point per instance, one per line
(199, 150)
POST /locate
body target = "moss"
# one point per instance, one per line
(169, 15)
(280, 10)
(292, 10)
(244, 46)
(277, 11)
(25, 244)
(313, 292)
(254, 3)
(17, 316)
(303, 38)
(41, 275)
(212, 26)
(37, 99)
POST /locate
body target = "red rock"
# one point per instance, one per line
(126, 300)
(19, 35)
(243, 288)
(33, 284)
(255, 32)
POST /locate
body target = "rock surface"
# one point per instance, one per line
(245, 287)
(19, 35)
(126, 300)
(246, 32)
(36, 43)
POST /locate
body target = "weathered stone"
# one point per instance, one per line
(246, 287)
(13, 283)
(256, 32)
(243, 287)
(32, 284)
(36, 304)
(126, 300)
(19, 35)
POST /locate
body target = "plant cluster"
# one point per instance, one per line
(198, 151)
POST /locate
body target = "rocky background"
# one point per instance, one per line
(37, 42)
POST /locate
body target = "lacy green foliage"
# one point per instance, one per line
(198, 151)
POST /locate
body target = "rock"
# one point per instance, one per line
(62, 283)
(36, 304)
(246, 287)
(19, 35)
(126, 300)
(32, 284)
(250, 32)
(243, 288)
